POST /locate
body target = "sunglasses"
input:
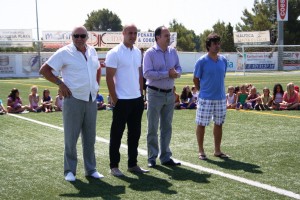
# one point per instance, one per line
(79, 35)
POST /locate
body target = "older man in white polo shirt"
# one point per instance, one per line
(78, 63)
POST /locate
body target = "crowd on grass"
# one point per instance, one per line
(36, 104)
(245, 97)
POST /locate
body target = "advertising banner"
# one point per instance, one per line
(291, 60)
(7, 64)
(260, 61)
(57, 39)
(251, 38)
(16, 38)
(282, 10)
(30, 63)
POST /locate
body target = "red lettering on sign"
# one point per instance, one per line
(282, 7)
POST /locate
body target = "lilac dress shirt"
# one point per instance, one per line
(157, 65)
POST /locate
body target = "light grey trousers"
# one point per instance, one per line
(79, 116)
(160, 110)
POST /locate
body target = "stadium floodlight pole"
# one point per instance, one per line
(280, 43)
(38, 34)
(282, 15)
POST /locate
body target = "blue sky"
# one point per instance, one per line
(197, 15)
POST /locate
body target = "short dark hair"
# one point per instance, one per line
(157, 31)
(212, 37)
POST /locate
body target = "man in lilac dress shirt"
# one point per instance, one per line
(161, 68)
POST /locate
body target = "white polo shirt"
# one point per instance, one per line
(78, 74)
(127, 62)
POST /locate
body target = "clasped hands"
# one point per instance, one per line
(173, 73)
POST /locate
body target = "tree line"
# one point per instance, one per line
(262, 17)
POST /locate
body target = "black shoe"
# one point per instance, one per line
(151, 164)
(171, 162)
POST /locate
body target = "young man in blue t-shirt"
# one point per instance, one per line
(209, 75)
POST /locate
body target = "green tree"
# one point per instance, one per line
(185, 37)
(292, 26)
(197, 42)
(226, 34)
(103, 20)
(264, 17)
(260, 19)
(203, 37)
(227, 39)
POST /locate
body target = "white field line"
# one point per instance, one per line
(198, 167)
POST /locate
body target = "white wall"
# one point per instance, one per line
(27, 64)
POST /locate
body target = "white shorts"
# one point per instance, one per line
(210, 109)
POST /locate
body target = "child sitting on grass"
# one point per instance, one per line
(186, 98)
(253, 99)
(14, 102)
(177, 100)
(100, 102)
(2, 109)
(230, 98)
(241, 98)
(290, 98)
(277, 96)
(47, 101)
(266, 99)
(34, 99)
(59, 99)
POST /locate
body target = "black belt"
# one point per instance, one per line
(158, 89)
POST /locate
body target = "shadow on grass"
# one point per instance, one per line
(95, 188)
(146, 182)
(183, 174)
(236, 165)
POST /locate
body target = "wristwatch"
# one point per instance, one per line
(58, 82)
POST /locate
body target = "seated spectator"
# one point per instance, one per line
(266, 99)
(46, 101)
(297, 89)
(34, 100)
(2, 108)
(145, 103)
(230, 98)
(177, 101)
(241, 98)
(186, 99)
(109, 105)
(14, 102)
(100, 102)
(290, 98)
(236, 89)
(195, 94)
(253, 99)
(59, 100)
(277, 96)
(248, 87)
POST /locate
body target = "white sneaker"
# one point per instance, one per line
(116, 172)
(70, 177)
(97, 175)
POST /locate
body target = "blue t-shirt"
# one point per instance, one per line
(212, 76)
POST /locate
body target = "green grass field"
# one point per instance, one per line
(264, 146)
